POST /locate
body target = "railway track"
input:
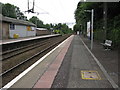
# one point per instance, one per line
(12, 71)
(19, 55)
(11, 53)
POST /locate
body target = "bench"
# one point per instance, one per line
(107, 45)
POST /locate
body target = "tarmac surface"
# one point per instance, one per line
(108, 58)
(65, 67)
(78, 59)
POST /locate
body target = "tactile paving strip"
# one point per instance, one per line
(91, 75)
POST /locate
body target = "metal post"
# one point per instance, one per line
(92, 15)
(92, 28)
(105, 20)
(51, 31)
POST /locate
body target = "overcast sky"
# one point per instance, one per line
(59, 11)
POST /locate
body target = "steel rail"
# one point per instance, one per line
(14, 67)
(9, 51)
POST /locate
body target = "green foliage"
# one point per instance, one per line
(12, 11)
(76, 27)
(0, 8)
(58, 28)
(37, 22)
(9, 10)
(98, 35)
(115, 36)
(117, 21)
(113, 20)
(82, 17)
(48, 26)
(57, 31)
(63, 28)
(114, 30)
(19, 14)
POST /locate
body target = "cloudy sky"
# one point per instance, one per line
(59, 11)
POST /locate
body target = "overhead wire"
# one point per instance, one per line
(42, 9)
(54, 17)
(62, 7)
(47, 13)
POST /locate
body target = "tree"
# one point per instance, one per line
(37, 22)
(113, 14)
(9, 10)
(62, 28)
(47, 26)
(12, 11)
(76, 27)
(19, 14)
(0, 8)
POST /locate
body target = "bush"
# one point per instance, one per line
(115, 37)
(99, 35)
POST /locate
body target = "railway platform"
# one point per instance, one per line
(70, 65)
(9, 41)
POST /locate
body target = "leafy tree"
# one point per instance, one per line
(51, 25)
(19, 14)
(62, 28)
(9, 10)
(0, 8)
(36, 21)
(12, 11)
(113, 14)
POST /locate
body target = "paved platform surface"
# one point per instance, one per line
(62, 69)
(76, 60)
(108, 58)
(47, 69)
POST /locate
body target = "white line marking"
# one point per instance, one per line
(31, 67)
(101, 67)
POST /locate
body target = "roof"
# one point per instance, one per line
(41, 29)
(16, 21)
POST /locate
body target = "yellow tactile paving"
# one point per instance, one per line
(90, 75)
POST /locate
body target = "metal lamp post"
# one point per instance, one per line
(92, 15)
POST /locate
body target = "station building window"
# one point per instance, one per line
(12, 26)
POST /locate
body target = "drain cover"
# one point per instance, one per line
(92, 75)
